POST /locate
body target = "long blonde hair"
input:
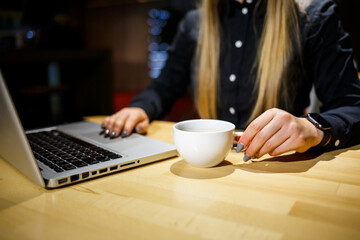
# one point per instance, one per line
(279, 43)
(207, 59)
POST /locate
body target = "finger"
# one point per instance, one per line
(142, 126)
(286, 146)
(254, 127)
(105, 123)
(139, 120)
(273, 142)
(112, 125)
(130, 124)
(118, 124)
(293, 143)
(135, 116)
(108, 125)
(260, 139)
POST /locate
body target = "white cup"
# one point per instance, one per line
(203, 142)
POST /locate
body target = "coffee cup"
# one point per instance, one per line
(203, 142)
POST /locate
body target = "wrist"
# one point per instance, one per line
(323, 128)
(319, 137)
(325, 140)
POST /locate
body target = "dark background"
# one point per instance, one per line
(66, 59)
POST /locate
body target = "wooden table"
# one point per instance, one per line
(299, 196)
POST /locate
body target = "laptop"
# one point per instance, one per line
(69, 153)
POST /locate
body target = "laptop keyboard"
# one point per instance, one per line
(61, 152)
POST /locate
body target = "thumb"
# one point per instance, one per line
(142, 126)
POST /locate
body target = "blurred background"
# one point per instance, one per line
(66, 59)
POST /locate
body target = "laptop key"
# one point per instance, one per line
(90, 160)
(103, 159)
(52, 166)
(62, 163)
(68, 167)
(113, 155)
(80, 163)
(57, 169)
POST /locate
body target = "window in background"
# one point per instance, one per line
(158, 19)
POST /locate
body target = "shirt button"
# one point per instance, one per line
(238, 44)
(337, 142)
(244, 10)
(232, 110)
(232, 78)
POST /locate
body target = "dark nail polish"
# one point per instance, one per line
(239, 147)
(107, 131)
(124, 133)
(246, 157)
(102, 126)
(113, 133)
(138, 129)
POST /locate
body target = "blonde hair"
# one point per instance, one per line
(279, 44)
(207, 58)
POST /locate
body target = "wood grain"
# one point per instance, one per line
(294, 196)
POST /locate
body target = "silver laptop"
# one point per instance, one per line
(69, 153)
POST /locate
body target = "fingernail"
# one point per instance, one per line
(246, 157)
(239, 147)
(107, 131)
(113, 133)
(138, 129)
(124, 133)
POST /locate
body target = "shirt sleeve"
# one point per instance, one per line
(329, 64)
(158, 98)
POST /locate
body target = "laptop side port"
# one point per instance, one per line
(104, 170)
(113, 168)
(85, 175)
(74, 178)
(127, 164)
(62, 181)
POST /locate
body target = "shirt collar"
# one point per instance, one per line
(228, 7)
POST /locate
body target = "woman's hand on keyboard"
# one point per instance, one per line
(125, 121)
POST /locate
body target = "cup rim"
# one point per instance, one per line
(230, 127)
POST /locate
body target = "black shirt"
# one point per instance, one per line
(327, 61)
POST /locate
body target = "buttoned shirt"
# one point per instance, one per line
(327, 65)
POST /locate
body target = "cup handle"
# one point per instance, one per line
(237, 135)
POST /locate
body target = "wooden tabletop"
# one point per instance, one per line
(295, 196)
